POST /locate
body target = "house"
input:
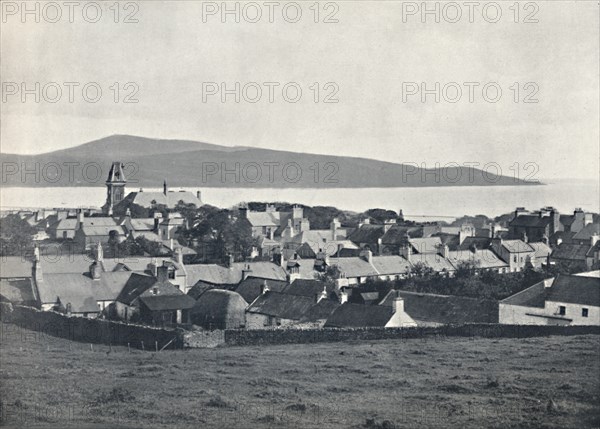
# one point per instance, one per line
(541, 253)
(582, 253)
(310, 288)
(116, 201)
(564, 300)
(588, 233)
(482, 259)
(517, 253)
(229, 277)
(219, 309)
(252, 287)
(87, 294)
(317, 315)
(18, 291)
(93, 231)
(434, 310)
(272, 223)
(577, 221)
(350, 315)
(536, 226)
(275, 309)
(164, 305)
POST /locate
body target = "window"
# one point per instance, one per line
(562, 310)
(171, 274)
(584, 312)
(515, 258)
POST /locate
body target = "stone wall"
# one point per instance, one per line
(96, 331)
(239, 337)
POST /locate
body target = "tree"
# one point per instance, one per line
(16, 236)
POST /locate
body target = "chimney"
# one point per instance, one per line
(474, 248)
(334, 225)
(525, 239)
(321, 296)
(264, 288)
(199, 196)
(556, 225)
(79, 219)
(243, 211)
(179, 255)
(445, 251)
(162, 273)
(96, 270)
(388, 223)
(367, 221)
(165, 187)
(367, 255)
(230, 261)
(153, 267)
(99, 255)
(406, 251)
(398, 304)
(157, 219)
(343, 296)
(246, 272)
(297, 212)
(171, 244)
(380, 246)
(593, 239)
(128, 213)
(37, 266)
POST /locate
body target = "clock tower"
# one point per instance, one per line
(115, 187)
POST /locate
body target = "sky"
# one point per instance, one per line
(373, 62)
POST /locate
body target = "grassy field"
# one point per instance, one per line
(551, 382)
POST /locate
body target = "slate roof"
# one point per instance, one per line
(135, 286)
(320, 311)
(435, 261)
(168, 302)
(306, 287)
(102, 230)
(81, 290)
(479, 242)
(587, 232)
(516, 246)
(17, 291)
(15, 267)
(163, 296)
(250, 288)
(571, 252)
(445, 309)
(358, 315)
(367, 234)
(396, 235)
(531, 221)
(142, 224)
(565, 236)
(567, 220)
(484, 258)
(575, 290)
(257, 219)
(281, 305)
(220, 275)
(171, 199)
(426, 245)
(354, 267)
(390, 265)
(533, 296)
(542, 250)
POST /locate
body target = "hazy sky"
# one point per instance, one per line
(368, 54)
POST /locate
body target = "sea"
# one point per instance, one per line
(429, 203)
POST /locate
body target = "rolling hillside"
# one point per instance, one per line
(188, 163)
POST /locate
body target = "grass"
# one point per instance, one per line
(550, 382)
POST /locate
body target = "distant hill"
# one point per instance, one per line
(185, 163)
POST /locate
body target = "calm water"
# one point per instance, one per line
(417, 203)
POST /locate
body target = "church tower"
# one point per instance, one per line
(115, 187)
